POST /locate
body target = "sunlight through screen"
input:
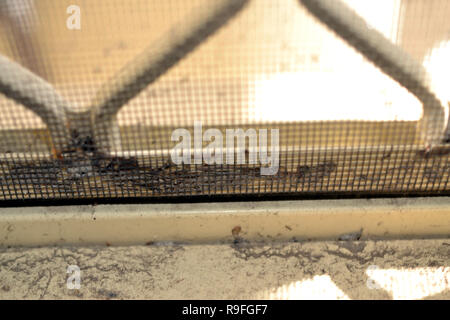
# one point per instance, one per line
(338, 83)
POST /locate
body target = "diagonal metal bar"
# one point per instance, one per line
(99, 122)
(36, 94)
(390, 58)
(154, 62)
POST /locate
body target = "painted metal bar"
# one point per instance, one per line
(154, 62)
(390, 58)
(39, 96)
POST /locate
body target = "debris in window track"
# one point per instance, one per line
(78, 167)
(438, 151)
(352, 236)
(88, 172)
(316, 173)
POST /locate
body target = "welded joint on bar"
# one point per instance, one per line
(100, 123)
(391, 59)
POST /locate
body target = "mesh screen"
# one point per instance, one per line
(149, 98)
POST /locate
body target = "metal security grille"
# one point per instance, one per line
(92, 94)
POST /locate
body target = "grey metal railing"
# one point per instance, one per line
(99, 123)
(391, 59)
